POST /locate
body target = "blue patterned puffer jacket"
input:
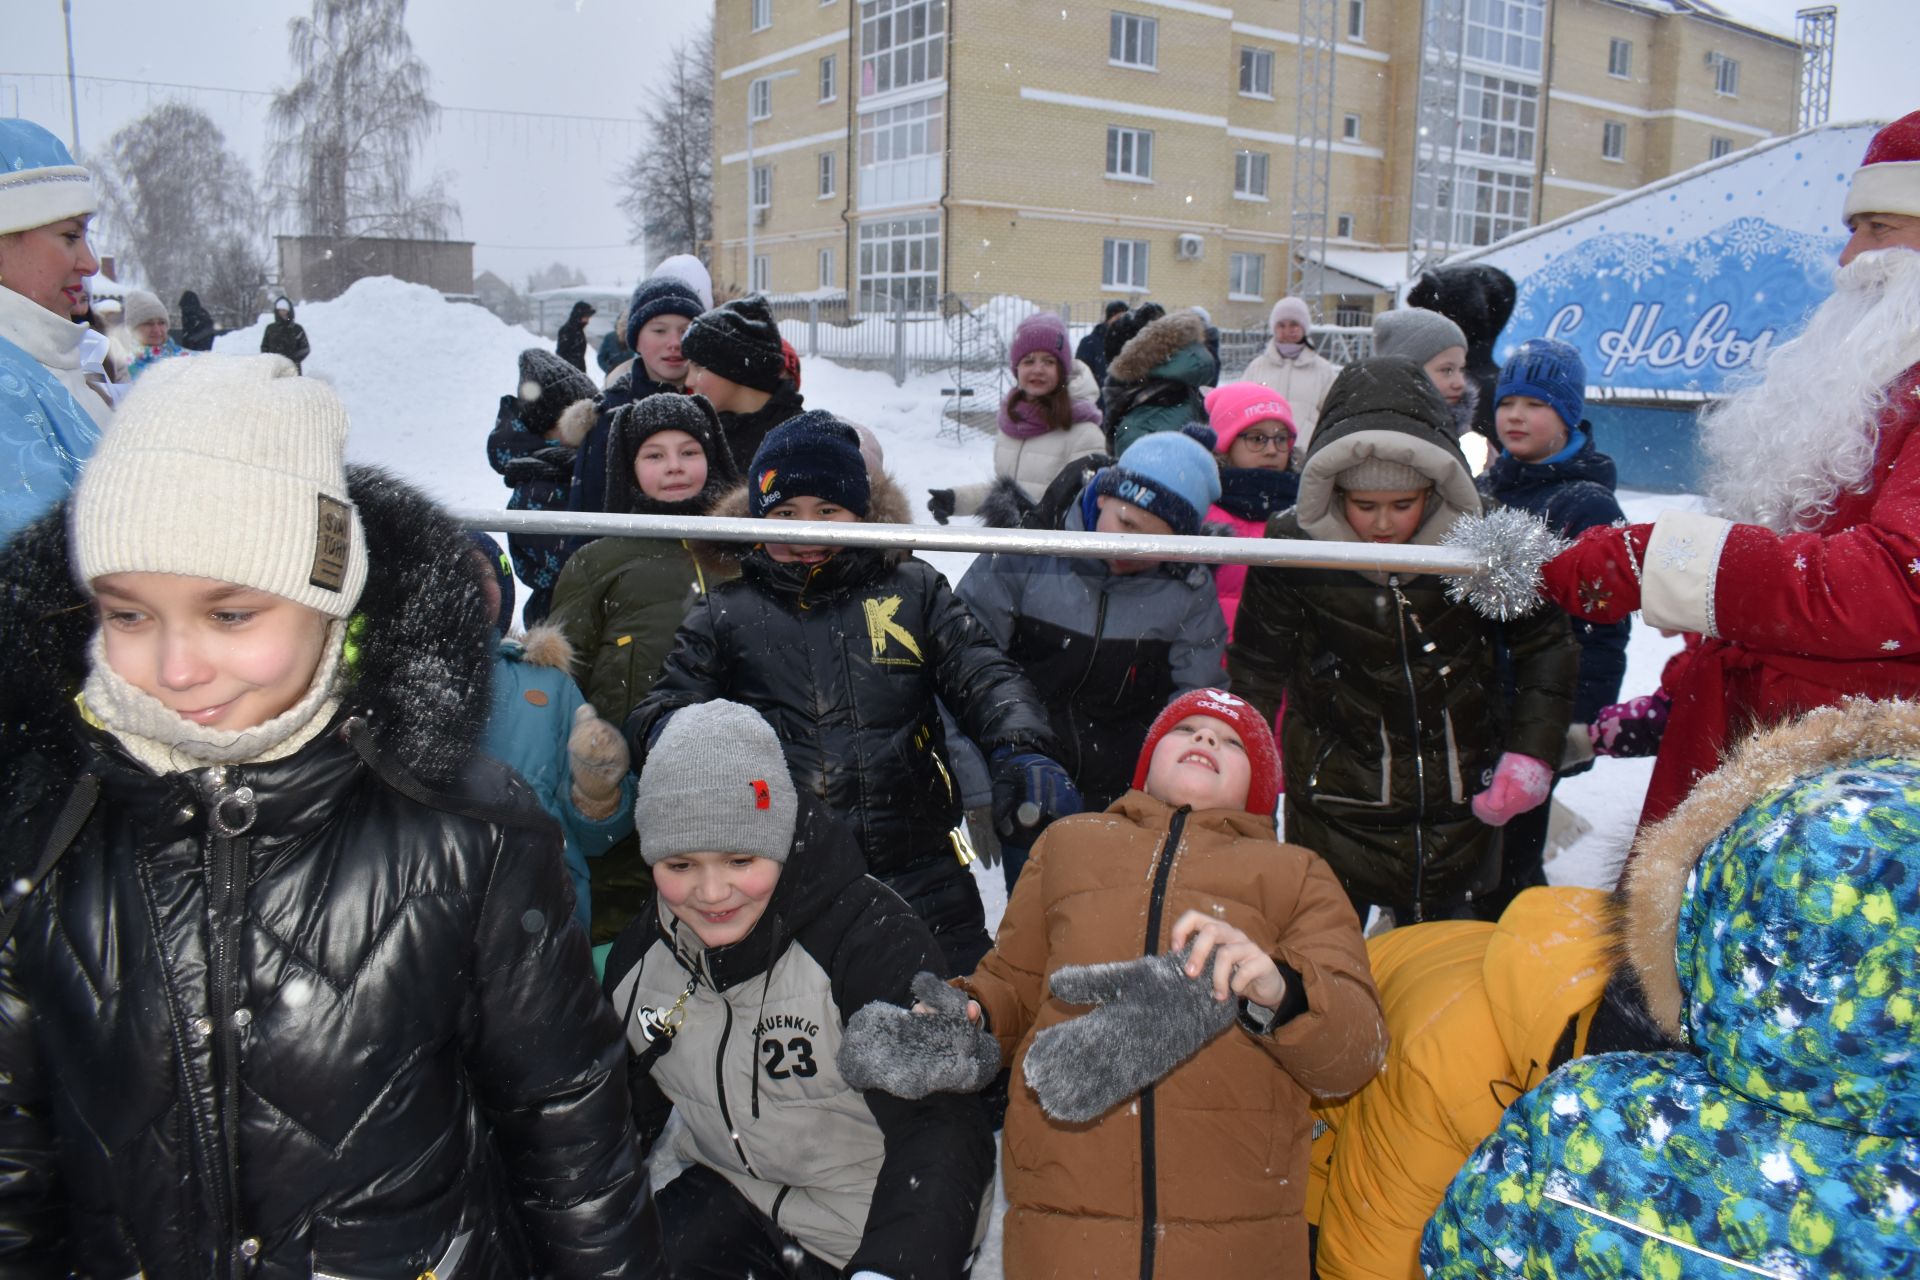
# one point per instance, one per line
(1774, 919)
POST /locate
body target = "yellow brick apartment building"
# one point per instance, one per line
(1072, 151)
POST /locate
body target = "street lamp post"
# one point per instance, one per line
(753, 87)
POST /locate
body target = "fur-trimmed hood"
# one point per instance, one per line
(886, 505)
(1770, 918)
(421, 646)
(1385, 408)
(543, 645)
(1156, 344)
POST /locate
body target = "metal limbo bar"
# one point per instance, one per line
(1300, 553)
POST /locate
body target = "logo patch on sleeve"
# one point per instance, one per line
(332, 544)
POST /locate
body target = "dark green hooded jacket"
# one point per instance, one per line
(1395, 710)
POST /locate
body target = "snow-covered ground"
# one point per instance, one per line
(422, 378)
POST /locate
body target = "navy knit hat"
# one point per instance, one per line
(1169, 474)
(740, 341)
(502, 566)
(1550, 371)
(812, 455)
(659, 296)
(548, 385)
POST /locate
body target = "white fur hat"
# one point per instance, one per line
(230, 468)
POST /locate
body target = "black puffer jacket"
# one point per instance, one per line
(355, 1029)
(745, 431)
(845, 659)
(1395, 712)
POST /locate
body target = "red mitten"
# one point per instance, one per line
(1520, 783)
(1598, 577)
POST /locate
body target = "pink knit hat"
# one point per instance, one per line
(1234, 407)
(1044, 332)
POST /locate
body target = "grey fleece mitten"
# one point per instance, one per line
(1149, 1018)
(911, 1055)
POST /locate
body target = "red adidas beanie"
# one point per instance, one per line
(1263, 786)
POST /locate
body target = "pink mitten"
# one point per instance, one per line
(1520, 783)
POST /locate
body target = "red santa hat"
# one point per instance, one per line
(1888, 179)
(1263, 787)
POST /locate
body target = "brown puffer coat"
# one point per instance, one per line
(1204, 1174)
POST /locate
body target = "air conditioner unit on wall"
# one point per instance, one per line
(1188, 247)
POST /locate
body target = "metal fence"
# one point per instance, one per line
(968, 335)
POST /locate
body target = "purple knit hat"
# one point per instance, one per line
(1044, 332)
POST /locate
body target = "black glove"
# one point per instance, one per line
(1149, 1017)
(940, 503)
(1029, 791)
(526, 471)
(911, 1055)
(558, 456)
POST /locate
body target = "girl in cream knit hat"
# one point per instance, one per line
(290, 970)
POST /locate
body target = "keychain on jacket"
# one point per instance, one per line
(658, 1026)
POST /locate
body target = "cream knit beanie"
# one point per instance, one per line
(229, 468)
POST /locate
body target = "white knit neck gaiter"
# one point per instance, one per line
(165, 742)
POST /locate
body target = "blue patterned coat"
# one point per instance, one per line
(1786, 1141)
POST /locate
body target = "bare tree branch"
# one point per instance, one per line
(666, 190)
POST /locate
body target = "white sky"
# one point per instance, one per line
(532, 191)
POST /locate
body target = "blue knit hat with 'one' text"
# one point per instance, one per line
(1169, 474)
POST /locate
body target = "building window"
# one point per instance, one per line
(1620, 59)
(1350, 127)
(762, 186)
(900, 262)
(830, 77)
(1726, 75)
(1490, 205)
(1250, 175)
(1717, 147)
(829, 172)
(1133, 41)
(1499, 118)
(1129, 153)
(1357, 21)
(1506, 33)
(900, 153)
(1613, 141)
(760, 99)
(902, 43)
(1256, 73)
(1343, 226)
(828, 276)
(762, 14)
(1123, 265)
(1246, 273)
(761, 274)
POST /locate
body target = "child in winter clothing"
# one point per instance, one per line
(1402, 757)
(283, 337)
(334, 964)
(662, 307)
(1109, 641)
(735, 358)
(1155, 378)
(1203, 1171)
(1547, 465)
(845, 652)
(735, 986)
(1291, 366)
(1770, 920)
(1479, 299)
(533, 446)
(541, 728)
(147, 321)
(1253, 442)
(1042, 428)
(620, 601)
(1436, 344)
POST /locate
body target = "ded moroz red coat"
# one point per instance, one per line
(1791, 621)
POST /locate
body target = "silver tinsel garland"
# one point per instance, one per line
(1514, 544)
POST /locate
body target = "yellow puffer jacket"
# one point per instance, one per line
(1477, 1014)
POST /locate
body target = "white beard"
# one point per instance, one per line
(1804, 429)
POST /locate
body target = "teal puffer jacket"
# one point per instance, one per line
(1785, 1139)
